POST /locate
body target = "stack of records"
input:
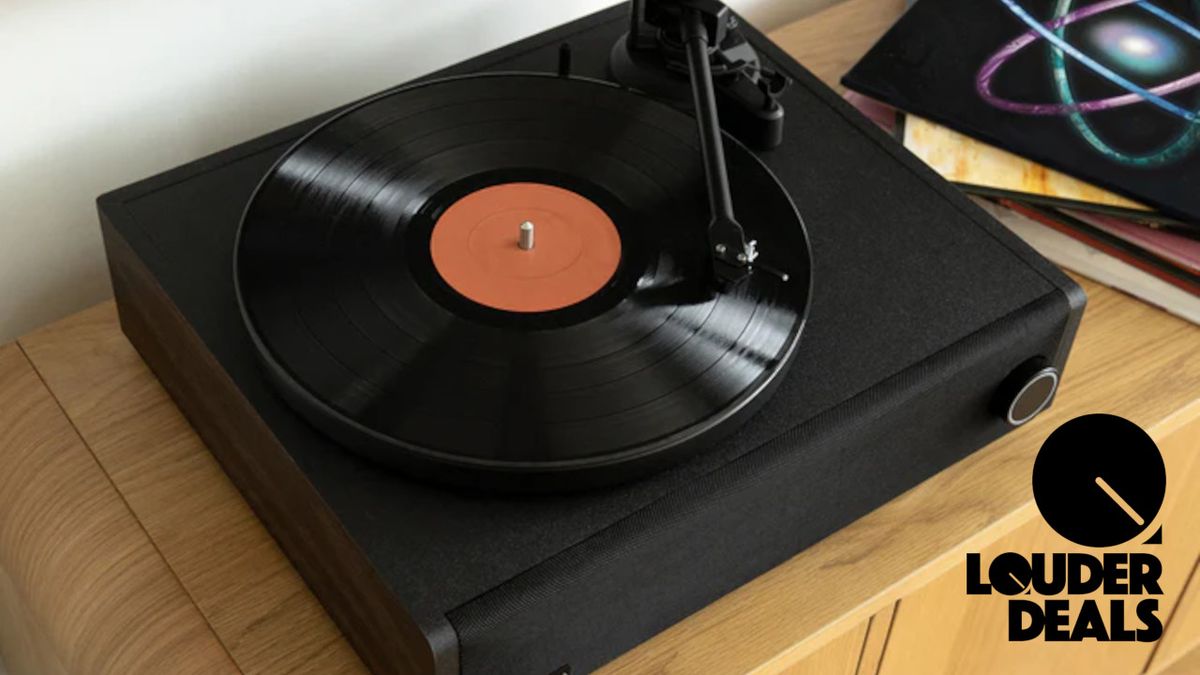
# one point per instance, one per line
(1078, 127)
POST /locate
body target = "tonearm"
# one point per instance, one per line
(699, 38)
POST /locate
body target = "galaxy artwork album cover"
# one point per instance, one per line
(1105, 90)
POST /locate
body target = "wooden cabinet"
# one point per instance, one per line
(1183, 629)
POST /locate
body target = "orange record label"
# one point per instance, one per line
(525, 247)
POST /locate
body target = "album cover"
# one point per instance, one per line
(1170, 245)
(1110, 244)
(985, 169)
(1074, 253)
(1106, 91)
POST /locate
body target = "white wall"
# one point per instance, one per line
(95, 94)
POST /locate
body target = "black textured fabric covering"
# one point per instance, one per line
(921, 306)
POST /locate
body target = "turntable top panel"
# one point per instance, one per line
(260, 609)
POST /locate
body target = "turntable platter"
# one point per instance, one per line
(504, 281)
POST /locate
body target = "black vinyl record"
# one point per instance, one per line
(366, 339)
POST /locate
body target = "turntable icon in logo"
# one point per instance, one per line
(1099, 480)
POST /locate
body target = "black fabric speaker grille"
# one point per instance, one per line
(632, 579)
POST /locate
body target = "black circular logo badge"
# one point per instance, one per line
(1099, 480)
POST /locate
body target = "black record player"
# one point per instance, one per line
(393, 321)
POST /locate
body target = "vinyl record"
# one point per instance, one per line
(382, 278)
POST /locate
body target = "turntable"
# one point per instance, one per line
(527, 360)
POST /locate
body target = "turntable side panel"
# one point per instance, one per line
(82, 587)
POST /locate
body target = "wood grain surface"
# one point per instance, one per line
(829, 42)
(144, 551)
(1183, 632)
(83, 588)
(855, 652)
(838, 657)
(249, 592)
(879, 632)
(1188, 664)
